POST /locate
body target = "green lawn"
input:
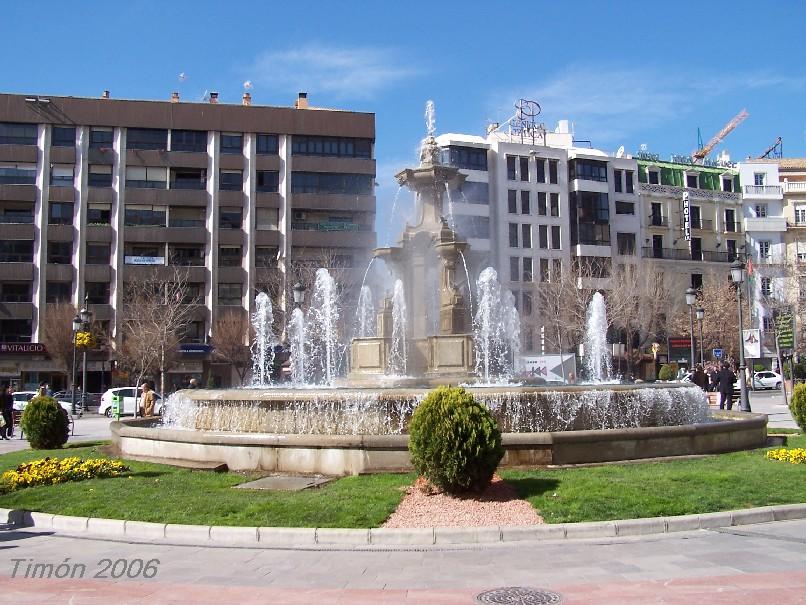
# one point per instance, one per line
(619, 491)
(653, 489)
(169, 495)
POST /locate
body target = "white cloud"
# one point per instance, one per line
(609, 105)
(356, 73)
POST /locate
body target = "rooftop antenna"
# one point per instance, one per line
(620, 152)
(776, 150)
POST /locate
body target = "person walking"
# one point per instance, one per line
(700, 378)
(147, 401)
(725, 380)
(7, 408)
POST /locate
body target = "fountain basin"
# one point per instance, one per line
(342, 432)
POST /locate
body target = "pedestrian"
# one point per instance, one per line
(147, 401)
(194, 384)
(699, 377)
(712, 372)
(571, 378)
(7, 407)
(725, 381)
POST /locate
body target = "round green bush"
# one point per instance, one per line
(759, 367)
(666, 372)
(798, 405)
(45, 423)
(454, 442)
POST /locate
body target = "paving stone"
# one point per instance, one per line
(682, 523)
(715, 520)
(402, 536)
(297, 536)
(188, 533)
(342, 536)
(106, 527)
(598, 529)
(753, 515)
(466, 535)
(641, 527)
(786, 512)
(532, 532)
(292, 483)
(234, 535)
(145, 531)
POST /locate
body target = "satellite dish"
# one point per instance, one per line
(644, 147)
(620, 152)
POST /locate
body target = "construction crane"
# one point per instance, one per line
(699, 155)
(776, 149)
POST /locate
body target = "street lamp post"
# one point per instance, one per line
(737, 275)
(299, 294)
(86, 318)
(700, 316)
(691, 298)
(76, 328)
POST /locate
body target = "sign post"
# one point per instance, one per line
(686, 217)
(718, 353)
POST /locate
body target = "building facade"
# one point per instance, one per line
(792, 177)
(98, 193)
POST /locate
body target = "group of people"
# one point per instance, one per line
(719, 379)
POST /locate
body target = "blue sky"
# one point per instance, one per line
(625, 73)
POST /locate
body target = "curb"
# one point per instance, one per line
(301, 537)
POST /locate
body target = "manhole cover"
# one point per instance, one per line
(518, 595)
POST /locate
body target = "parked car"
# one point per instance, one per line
(21, 399)
(767, 380)
(130, 399)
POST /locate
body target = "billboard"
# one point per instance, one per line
(548, 367)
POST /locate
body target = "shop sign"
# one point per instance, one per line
(22, 348)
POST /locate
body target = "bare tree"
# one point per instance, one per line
(561, 307)
(57, 334)
(229, 332)
(155, 318)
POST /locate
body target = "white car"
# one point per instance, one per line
(21, 399)
(767, 380)
(130, 399)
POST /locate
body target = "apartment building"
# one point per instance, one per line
(792, 178)
(97, 192)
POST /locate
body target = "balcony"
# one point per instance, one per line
(326, 226)
(766, 224)
(16, 218)
(144, 260)
(708, 256)
(773, 191)
(732, 227)
(795, 187)
(676, 192)
(658, 221)
(701, 224)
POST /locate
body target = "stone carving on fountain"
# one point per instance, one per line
(445, 356)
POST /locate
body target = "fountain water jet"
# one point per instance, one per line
(264, 342)
(496, 329)
(322, 330)
(397, 353)
(598, 361)
(296, 338)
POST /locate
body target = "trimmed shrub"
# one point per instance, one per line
(759, 367)
(45, 423)
(454, 441)
(666, 372)
(798, 405)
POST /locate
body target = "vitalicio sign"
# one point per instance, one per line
(22, 348)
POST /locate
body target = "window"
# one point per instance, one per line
(469, 158)
(626, 243)
(144, 254)
(590, 216)
(193, 333)
(147, 177)
(184, 140)
(625, 208)
(265, 256)
(58, 291)
(695, 217)
(766, 286)
(331, 146)
(17, 174)
(524, 165)
(727, 184)
(758, 179)
(617, 180)
(556, 268)
(60, 213)
(61, 175)
(555, 204)
(656, 215)
(97, 292)
(231, 180)
(15, 291)
(526, 309)
(231, 143)
(60, 253)
(98, 254)
(513, 235)
(230, 218)
(144, 216)
(473, 226)
(229, 256)
(15, 330)
(17, 213)
(512, 201)
(526, 206)
(99, 214)
(696, 248)
(63, 136)
(764, 249)
(331, 183)
(540, 170)
(653, 175)
(730, 221)
(194, 294)
(628, 181)
(761, 210)
(267, 144)
(268, 181)
(514, 268)
(99, 175)
(18, 134)
(474, 192)
(594, 266)
(101, 138)
(544, 270)
(553, 171)
(768, 323)
(511, 168)
(555, 237)
(730, 245)
(800, 215)
(543, 236)
(541, 203)
(230, 294)
(588, 170)
(146, 138)
(527, 269)
(266, 219)
(692, 181)
(189, 178)
(657, 246)
(186, 256)
(186, 217)
(526, 236)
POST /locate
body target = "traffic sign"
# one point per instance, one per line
(784, 332)
(718, 353)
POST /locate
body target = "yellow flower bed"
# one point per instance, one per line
(795, 455)
(49, 471)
